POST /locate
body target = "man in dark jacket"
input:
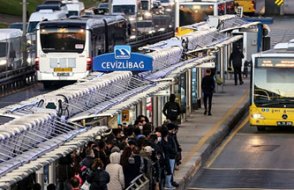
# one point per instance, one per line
(98, 178)
(236, 58)
(170, 152)
(207, 87)
(172, 109)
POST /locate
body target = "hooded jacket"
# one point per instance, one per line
(115, 170)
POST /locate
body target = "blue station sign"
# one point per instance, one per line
(122, 59)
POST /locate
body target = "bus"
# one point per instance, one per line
(248, 6)
(65, 48)
(272, 92)
(199, 10)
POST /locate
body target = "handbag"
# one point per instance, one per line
(86, 186)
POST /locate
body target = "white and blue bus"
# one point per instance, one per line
(65, 48)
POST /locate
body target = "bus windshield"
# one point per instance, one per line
(127, 9)
(3, 49)
(273, 87)
(191, 14)
(73, 13)
(63, 40)
(145, 5)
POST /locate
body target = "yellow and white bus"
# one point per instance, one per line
(272, 87)
(248, 6)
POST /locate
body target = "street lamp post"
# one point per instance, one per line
(24, 31)
(24, 16)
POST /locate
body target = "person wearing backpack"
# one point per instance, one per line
(172, 109)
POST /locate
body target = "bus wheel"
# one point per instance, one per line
(260, 128)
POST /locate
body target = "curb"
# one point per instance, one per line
(196, 163)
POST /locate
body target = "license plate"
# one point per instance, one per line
(62, 69)
(62, 74)
(285, 123)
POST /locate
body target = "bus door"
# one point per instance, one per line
(249, 43)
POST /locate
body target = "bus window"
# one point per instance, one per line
(191, 14)
(221, 9)
(145, 5)
(32, 26)
(230, 7)
(3, 49)
(127, 9)
(63, 40)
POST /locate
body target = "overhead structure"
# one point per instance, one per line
(23, 169)
(28, 134)
(114, 109)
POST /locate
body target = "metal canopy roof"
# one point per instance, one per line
(30, 136)
(116, 108)
(25, 169)
(167, 71)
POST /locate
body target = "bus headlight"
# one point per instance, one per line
(147, 15)
(133, 37)
(29, 60)
(257, 116)
(132, 18)
(3, 62)
(29, 42)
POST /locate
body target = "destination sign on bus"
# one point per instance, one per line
(282, 62)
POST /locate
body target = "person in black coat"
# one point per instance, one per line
(236, 58)
(170, 153)
(172, 109)
(98, 178)
(207, 87)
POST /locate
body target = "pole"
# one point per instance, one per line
(24, 31)
(177, 14)
(24, 16)
(110, 6)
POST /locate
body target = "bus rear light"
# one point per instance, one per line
(37, 63)
(89, 63)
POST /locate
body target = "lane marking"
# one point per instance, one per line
(220, 149)
(216, 126)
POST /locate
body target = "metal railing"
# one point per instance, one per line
(16, 64)
(139, 183)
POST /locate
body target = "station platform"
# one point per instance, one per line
(200, 134)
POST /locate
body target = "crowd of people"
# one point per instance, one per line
(115, 160)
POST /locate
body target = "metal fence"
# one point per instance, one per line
(16, 63)
(139, 183)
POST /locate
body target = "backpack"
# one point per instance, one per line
(172, 111)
